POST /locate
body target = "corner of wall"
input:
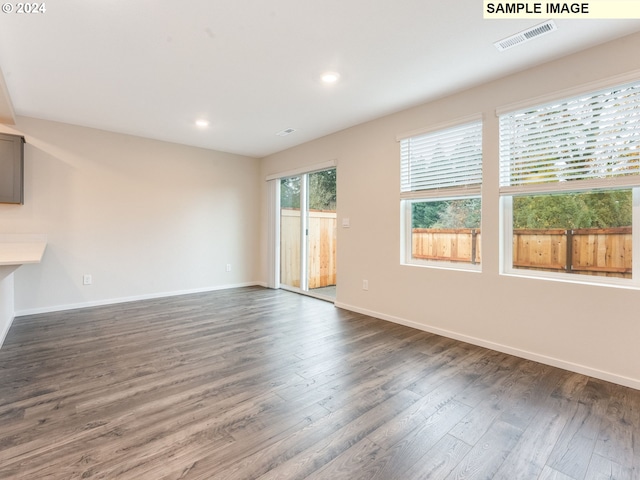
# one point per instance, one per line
(7, 310)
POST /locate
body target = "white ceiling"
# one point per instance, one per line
(251, 67)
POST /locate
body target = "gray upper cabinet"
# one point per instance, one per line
(11, 168)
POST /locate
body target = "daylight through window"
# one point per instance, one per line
(441, 180)
(569, 178)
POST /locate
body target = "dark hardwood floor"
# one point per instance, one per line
(254, 383)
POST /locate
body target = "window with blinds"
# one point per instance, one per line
(448, 159)
(593, 139)
(441, 181)
(570, 187)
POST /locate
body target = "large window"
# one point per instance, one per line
(569, 182)
(441, 179)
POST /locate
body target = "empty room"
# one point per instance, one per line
(320, 240)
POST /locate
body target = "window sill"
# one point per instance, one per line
(624, 283)
(443, 265)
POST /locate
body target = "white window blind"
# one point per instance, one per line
(448, 159)
(588, 141)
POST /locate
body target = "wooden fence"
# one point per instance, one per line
(321, 263)
(453, 245)
(588, 251)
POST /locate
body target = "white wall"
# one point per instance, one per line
(144, 218)
(585, 328)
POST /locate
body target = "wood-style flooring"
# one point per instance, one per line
(254, 383)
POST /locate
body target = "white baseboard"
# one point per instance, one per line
(113, 301)
(554, 362)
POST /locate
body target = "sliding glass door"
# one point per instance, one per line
(308, 233)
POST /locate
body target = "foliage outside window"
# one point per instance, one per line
(321, 191)
(570, 171)
(586, 233)
(441, 178)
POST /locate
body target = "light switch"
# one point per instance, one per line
(345, 222)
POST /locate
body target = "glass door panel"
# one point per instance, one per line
(290, 231)
(321, 232)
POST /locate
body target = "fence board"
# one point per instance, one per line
(603, 251)
(321, 264)
(290, 247)
(540, 249)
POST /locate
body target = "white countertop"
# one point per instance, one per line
(21, 249)
(21, 253)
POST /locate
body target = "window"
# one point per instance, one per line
(441, 179)
(569, 183)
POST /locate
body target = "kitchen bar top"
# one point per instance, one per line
(21, 249)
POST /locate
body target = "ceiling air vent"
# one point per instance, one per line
(285, 132)
(526, 35)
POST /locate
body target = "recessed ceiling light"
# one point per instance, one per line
(202, 123)
(330, 77)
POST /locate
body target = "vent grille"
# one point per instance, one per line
(285, 132)
(526, 35)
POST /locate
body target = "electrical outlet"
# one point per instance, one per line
(365, 284)
(228, 267)
(87, 279)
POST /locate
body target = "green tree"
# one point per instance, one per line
(322, 190)
(604, 209)
(459, 213)
(290, 192)
(426, 214)
(610, 209)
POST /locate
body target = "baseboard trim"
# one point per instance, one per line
(134, 298)
(552, 361)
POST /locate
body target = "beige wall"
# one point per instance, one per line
(586, 328)
(143, 217)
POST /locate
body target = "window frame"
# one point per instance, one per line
(506, 248)
(507, 193)
(406, 256)
(408, 198)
